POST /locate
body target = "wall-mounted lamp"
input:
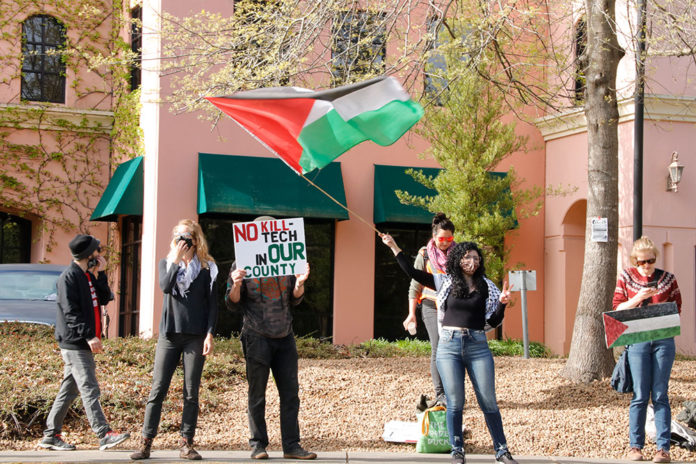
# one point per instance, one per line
(675, 173)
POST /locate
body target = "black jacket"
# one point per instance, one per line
(197, 312)
(75, 317)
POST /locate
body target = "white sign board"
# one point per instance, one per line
(515, 280)
(600, 230)
(270, 248)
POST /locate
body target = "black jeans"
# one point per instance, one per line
(170, 348)
(278, 355)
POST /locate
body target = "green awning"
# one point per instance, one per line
(124, 194)
(258, 186)
(387, 207)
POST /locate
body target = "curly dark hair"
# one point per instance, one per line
(454, 270)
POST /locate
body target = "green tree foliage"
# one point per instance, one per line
(469, 138)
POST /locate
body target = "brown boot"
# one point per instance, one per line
(186, 450)
(144, 451)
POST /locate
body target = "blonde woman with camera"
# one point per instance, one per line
(189, 314)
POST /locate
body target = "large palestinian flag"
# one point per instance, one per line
(310, 129)
(643, 324)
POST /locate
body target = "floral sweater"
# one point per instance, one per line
(631, 281)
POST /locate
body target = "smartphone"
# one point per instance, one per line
(652, 284)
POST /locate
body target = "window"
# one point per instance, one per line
(391, 284)
(43, 67)
(580, 61)
(266, 36)
(435, 65)
(314, 315)
(136, 46)
(15, 239)
(131, 244)
(358, 46)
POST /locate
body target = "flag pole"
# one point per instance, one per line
(370, 225)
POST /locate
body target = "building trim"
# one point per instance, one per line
(55, 118)
(657, 108)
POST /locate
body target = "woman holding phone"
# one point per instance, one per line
(650, 362)
(189, 314)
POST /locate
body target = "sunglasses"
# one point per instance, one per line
(445, 239)
(640, 262)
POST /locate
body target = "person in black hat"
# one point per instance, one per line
(78, 331)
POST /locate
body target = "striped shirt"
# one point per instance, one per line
(631, 281)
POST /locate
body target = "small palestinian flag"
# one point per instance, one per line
(309, 129)
(643, 324)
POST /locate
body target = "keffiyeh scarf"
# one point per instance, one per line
(187, 274)
(446, 288)
(437, 257)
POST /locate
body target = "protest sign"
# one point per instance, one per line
(270, 248)
(642, 324)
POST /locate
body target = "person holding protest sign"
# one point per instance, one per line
(431, 258)
(268, 343)
(650, 362)
(467, 301)
(189, 314)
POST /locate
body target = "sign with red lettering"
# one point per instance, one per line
(270, 248)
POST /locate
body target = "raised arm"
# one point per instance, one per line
(421, 277)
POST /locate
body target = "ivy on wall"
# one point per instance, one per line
(57, 159)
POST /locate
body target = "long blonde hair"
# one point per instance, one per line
(643, 244)
(201, 242)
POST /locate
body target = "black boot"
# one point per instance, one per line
(186, 450)
(144, 451)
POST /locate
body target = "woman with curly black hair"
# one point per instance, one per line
(468, 302)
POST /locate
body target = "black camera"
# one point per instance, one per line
(187, 240)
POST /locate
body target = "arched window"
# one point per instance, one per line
(580, 61)
(43, 66)
(15, 239)
(136, 46)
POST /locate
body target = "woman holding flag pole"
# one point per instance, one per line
(650, 362)
(466, 301)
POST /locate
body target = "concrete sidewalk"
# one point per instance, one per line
(333, 457)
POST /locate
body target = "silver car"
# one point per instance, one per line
(28, 292)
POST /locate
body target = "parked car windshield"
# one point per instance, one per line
(28, 285)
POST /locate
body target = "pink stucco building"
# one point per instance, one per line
(225, 175)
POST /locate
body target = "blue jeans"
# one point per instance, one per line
(651, 365)
(457, 352)
(429, 313)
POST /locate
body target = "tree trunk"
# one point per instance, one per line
(589, 359)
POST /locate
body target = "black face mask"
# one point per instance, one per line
(92, 263)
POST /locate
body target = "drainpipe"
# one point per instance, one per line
(638, 124)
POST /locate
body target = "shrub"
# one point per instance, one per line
(509, 347)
